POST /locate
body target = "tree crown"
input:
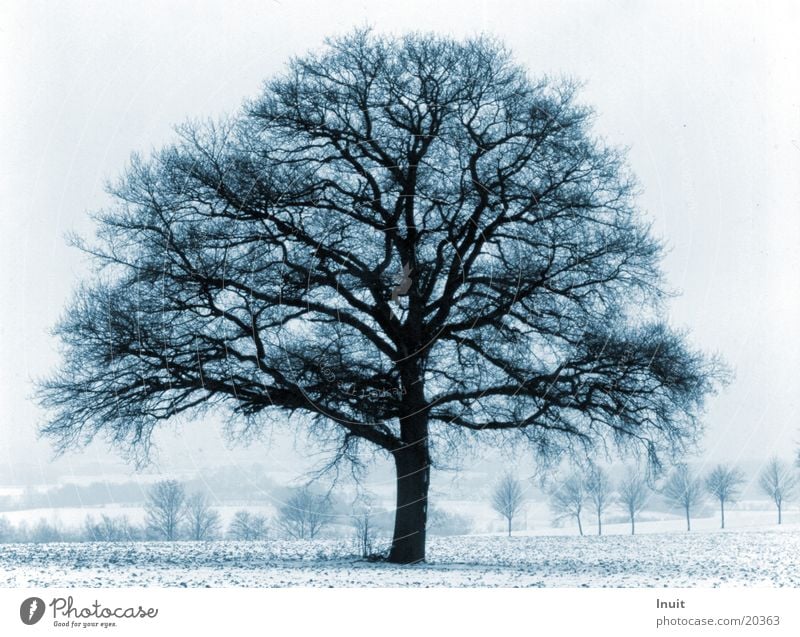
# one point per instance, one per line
(394, 227)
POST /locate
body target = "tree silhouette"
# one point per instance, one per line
(109, 529)
(304, 514)
(165, 510)
(202, 522)
(402, 242)
(568, 498)
(507, 498)
(246, 526)
(684, 491)
(633, 494)
(598, 490)
(724, 483)
(778, 482)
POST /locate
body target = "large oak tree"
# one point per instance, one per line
(403, 243)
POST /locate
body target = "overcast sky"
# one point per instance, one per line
(705, 94)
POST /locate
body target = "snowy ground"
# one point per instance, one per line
(706, 559)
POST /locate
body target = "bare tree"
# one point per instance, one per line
(507, 498)
(203, 522)
(6, 530)
(44, 532)
(109, 529)
(724, 483)
(442, 522)
(247, 526)
(364, 531)
(568, 498)
(364, 520)
(778, 483)
(684, 491)
(165, 510)
(633, 495)
(304, 514)
(598, 490)
(254, 265)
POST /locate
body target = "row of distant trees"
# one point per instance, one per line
(591, 489)
(172, 513)
(686, 490)
(574, 494)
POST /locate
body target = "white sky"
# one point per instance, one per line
(706, 95)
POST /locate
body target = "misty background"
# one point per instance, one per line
(706, 97)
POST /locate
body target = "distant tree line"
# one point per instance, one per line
(174, 513)
(171, 513)
(579, 491)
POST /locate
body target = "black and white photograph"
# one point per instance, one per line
(398, 295)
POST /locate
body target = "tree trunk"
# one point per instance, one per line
(580, 526)
(599, 524)
(722, 512)
(412, 462)
(412, 459)
(779, 514)
(688, 520)
(633, 526)
(509, 527)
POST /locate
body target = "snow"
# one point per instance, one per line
(766, 557)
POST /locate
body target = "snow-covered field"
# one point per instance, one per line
(706, 559)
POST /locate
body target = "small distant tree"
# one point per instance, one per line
(363, 531)
(94, 531)
(724, 483)
(304, 514)
(633, 495)
(507, 499)
(598, 488)
(247, 526)
(441, 522)
(684, 491)
(6, 531)
(567, 499)
(778, 483)
(165, 510)
(203, 522)
(108, 529)
(22, 532)
(128, 531)
(364, 520)
(45, 532)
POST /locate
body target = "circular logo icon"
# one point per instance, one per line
(31, 610)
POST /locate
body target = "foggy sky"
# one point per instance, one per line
(705, 95)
